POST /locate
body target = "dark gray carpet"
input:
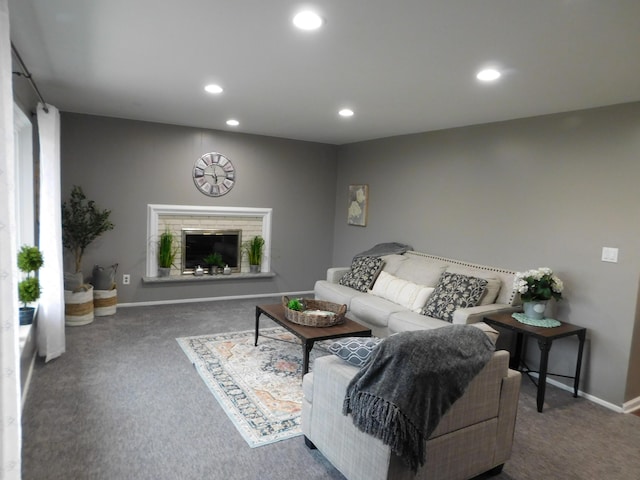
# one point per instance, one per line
(125, 403)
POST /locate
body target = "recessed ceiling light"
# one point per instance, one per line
(308, 20)
(233, 123)
(346, 112)
(213, 88)
(488, 75)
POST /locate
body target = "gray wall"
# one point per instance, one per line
(125, 165)
(545, 191)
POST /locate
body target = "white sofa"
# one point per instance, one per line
(476, 433)
(385, 317)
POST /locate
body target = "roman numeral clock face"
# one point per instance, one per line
(214, 174)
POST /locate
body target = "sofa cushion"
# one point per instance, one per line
(363, 272)
(373, 310)
(391, 263)
(406, 321)
(493, 282)
(403, 292)
(452, 292)
(420, 271)
(354, 350)
(332, 292)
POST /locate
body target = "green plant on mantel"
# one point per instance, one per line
(254, 249)
(166, 251)
(82, 223)
(215, 259)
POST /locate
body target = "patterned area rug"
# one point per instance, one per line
(260, 388)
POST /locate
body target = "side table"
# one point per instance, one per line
(545, 337)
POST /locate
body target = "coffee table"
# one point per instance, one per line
(309, 335)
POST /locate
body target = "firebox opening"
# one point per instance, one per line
(197, 244)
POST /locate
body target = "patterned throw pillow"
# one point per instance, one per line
(362, 274)
(452, 292)
(354, 350)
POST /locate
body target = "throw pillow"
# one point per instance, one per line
(354, 350)
(403, 292)
(452, 292)
(362, 274)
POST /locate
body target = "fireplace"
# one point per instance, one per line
(197, 244)
(250, 221)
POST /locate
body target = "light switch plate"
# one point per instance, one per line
(610, 254)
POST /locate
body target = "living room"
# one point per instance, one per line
(551, 189)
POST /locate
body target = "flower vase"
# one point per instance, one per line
(535, 310)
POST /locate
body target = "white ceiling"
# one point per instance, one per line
(404, 66)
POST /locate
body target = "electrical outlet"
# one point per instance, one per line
(126, 279)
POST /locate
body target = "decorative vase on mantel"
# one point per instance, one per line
(535, 309)
(254, 268)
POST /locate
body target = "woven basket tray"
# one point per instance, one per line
(315, 320)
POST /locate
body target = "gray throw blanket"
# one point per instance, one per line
(384, 249)
(409, 383)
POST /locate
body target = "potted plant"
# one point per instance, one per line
(214, 262)
(82, 223)
(29, 261)
(254, 249)
(536, 288)
(166, 253)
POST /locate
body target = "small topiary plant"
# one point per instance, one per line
(30, 260)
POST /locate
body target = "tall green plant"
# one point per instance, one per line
(29, 261)
(254, 249)
(166, 251)
(82, 223)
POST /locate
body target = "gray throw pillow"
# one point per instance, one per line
(363, 272)
(354, 350)
(452, 292)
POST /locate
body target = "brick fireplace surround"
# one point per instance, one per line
(252, 222)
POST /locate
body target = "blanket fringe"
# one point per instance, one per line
(383, 420)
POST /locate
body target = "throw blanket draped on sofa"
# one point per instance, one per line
(410, 382)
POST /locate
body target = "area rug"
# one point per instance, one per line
(259, 388)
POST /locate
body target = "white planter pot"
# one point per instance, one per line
(78, 307)
(105, 302)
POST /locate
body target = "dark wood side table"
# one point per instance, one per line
(545, 337)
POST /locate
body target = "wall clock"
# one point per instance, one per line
(214, 174)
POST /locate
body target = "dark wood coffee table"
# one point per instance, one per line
(309, 335)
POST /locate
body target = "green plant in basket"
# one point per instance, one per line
(295, 304)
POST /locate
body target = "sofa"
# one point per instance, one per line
(416, 272)
(475, 435)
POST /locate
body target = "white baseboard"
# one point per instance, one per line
(25, 389)
(589, 397)
(212, 299)
(631, 405)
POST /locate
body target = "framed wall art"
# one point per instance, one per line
(358, 205)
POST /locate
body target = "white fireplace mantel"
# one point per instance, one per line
(154, 211)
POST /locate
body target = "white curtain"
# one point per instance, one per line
(50, 329)
(10, 429)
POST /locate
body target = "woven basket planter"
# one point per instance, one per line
(310, 319)
(78, 307)
(105, 302)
